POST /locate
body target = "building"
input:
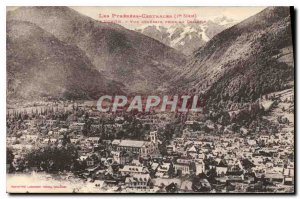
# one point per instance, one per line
(138, 181)
(143, 148)
(182, 168)
(200, 167)
(132, 169)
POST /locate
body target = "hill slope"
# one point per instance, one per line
(245, 61)
(141, 63)
(38, 64)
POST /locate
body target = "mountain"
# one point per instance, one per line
(40, 65)
(187, 37)
(243, 62)
(57, 51)
(140, 63)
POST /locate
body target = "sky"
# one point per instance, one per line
(202, 13)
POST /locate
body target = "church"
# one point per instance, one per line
(141, 147)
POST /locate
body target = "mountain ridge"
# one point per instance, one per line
(242, 62)
(187, 38)
(36, 59)
(141, 63)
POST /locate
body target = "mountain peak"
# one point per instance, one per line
(186, 37)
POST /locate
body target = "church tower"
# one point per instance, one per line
(153, 137)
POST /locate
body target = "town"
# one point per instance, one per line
(157, 152)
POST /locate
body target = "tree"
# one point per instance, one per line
(66, 140)
(172, 188)
(9, 156)
(9, 159)
(171, 171)
(197, 186)
(53, 159)
(211, 176)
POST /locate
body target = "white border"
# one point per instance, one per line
(5, 3)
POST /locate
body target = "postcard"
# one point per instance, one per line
(150, 100)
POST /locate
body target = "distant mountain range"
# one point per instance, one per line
(55, 51)
(187, 37)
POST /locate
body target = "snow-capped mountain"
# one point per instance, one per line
(187, 37)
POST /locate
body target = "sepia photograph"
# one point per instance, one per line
(150, 100)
